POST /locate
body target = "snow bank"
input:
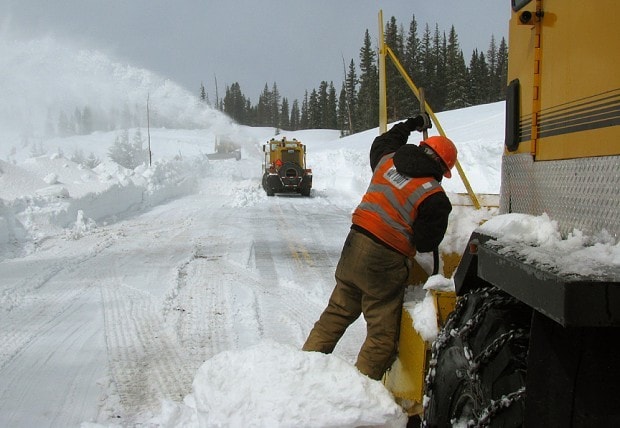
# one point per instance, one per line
(275, 385)
(55, 193)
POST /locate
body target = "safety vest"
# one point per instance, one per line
(390, 205)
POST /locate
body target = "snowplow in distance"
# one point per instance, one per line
(225, 148)
(284, 167)
(527, 344)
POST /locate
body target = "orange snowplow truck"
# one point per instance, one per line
(527, 345)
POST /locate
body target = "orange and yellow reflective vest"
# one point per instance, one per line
(390, 205)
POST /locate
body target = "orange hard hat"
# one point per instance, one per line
(445, 149)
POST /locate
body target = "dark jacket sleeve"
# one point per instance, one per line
(388, 142)
(430, 226)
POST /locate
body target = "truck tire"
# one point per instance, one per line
(477, 371)
(290, 170)
(266, 186)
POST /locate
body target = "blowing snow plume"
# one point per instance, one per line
(51, 88)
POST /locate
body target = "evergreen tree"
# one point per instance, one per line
(397, 90)
(86, 125)
(478, 79)
(322, 101)
(305, 114)
(502, 70)
(412, 62)
(263, 108)
(368, 96)
(203, 93)
(493, 88)
(344, 119)
(92, 161)
(439, 81)
(314, 111)
(250, 113)
(427, 61)
(332, 108)
(295, 116)
(274, 106)
(121, 151)
(234, 103)
(351, 93)
(285, 122)
(456, 74)
(139, 153)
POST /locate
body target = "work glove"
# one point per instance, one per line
(419, 123)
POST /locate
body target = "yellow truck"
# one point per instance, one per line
(284, 167)
(526, 344)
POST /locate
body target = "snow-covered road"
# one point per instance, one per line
(104, 327)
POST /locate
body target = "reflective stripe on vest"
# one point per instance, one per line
(389, 206)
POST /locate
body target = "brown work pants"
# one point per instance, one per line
(370, 279)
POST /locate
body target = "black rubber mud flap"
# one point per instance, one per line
(513, 113)
(478, 364)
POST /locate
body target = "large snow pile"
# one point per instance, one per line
(274, 385)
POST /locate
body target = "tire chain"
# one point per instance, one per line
(496, 300)
(496, 346)
(496, 406)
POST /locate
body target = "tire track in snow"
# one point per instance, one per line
(46, 330)
(146, 364)
(292, 274)
(306, 262)
(216, 304)
(29, 306)
(65, 340)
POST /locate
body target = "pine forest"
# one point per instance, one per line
(431, 58)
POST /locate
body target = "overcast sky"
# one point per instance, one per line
(295, 43)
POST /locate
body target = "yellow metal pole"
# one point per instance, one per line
(536, 102)
(430, 112)
(382, 79)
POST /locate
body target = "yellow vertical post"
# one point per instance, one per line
(536, 102)
(382, 79)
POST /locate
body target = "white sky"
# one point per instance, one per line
(295, 43)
